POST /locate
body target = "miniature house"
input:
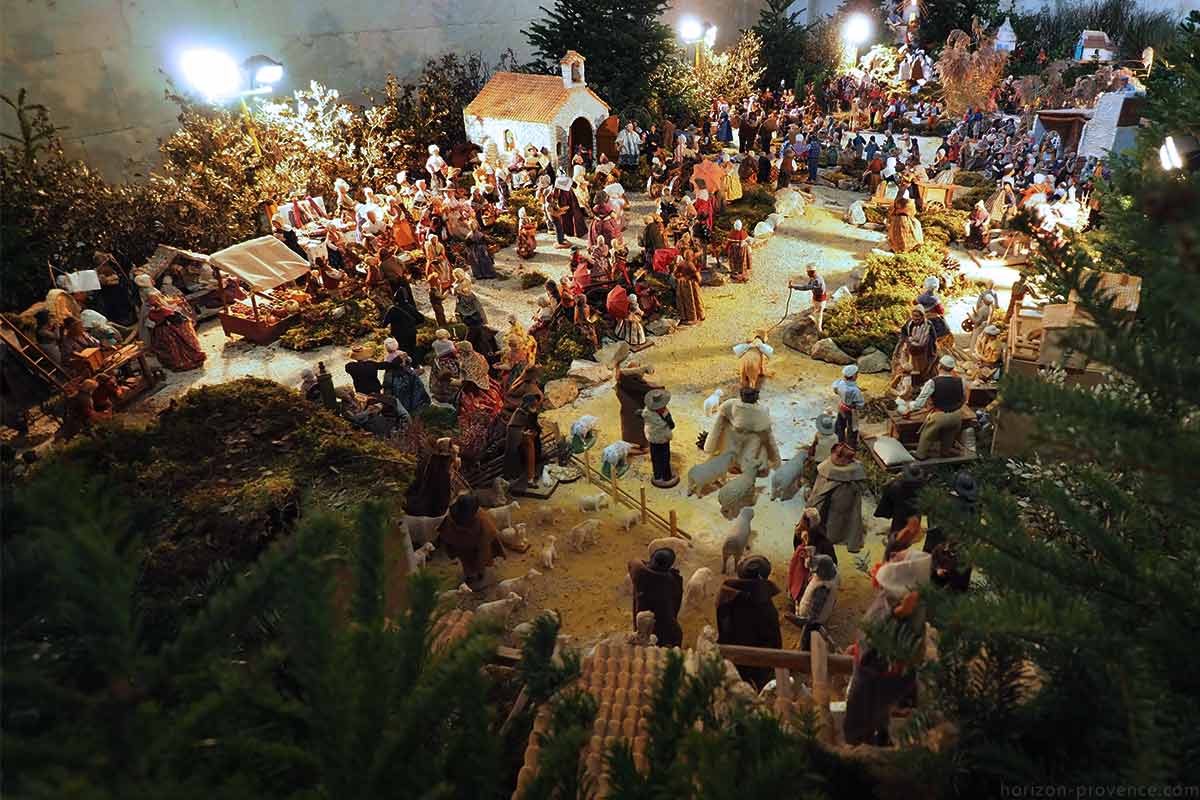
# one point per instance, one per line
(557, 112)
(1006, 38)
(1094, 46)
(1108, 128)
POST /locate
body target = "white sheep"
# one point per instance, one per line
(738, 494)
(701, 476)
(494, 495)
(738, 539)
(785, 480)
(697, 589)
(421, 555)
(713, 401)
(629, 518)
(502, 515)
(673, 543)
(498, 609)
(583, 534)
(455, 595)
(593, 502)
(549, 553)
(514, 537)
(421, 529)
(519, 584)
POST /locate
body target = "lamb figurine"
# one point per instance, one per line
(421, 555)
(494, 495)
(549, 553)
(593, 502)
(644, 625)
(502, 515)
(737, 540)
(616, 454)
(674, 544)
(421, 529)
(713, 401)
(583, 534)
(785, 480)
(739, 493)
(702, 476)
(518, 585)
(697, 588)
(629, 518)
(498, 610)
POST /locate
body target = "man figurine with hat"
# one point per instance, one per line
(946, 394)
(824, 439)
(948, 571)
(850, 402)
(898, 500)
(658, 587)
(746, 613)
(880, 683)
(816, 285)
(659, 431)
(631, 386)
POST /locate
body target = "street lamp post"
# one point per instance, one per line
(701, 34)
(217, 76)
(855, 32)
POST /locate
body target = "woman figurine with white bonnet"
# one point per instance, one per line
(435, 165)
(739, 253)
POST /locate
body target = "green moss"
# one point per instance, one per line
(319, 327)
(968, 178)
(425, 336)
(532, 278)
(225, 473)
(872, 317)
(566, 345)
(755, 205)
(943, 225)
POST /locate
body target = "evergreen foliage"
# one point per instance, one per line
(1074, 665)
(783, 39)
(939, 19)
(624, 42)
(329, 707)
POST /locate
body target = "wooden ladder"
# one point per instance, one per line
(32, 356)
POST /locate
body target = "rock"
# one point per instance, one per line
(875, 226)
(800, 334)
(560, 392)
(588, 373)
(872, 361)
(710, 277)
(827, 350)
(841, 294)
(789, 203)
(662, 326)
(856, 278)
(856, 215)
(774, 219)
(763, 229)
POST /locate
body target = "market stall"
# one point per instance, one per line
(266, 266)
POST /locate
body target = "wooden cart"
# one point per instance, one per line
(262, 264)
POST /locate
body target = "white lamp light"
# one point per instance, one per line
(1179, 152)
(269, 74)
(690, 30)
(857, 29)
(710, 36)
(213, 73)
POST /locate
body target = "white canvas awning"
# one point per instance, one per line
(263, 263)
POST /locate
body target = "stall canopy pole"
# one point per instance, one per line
(221, 288)
(254, 305)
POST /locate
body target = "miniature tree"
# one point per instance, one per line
(624, 42)
(782, 36)
(1073, 663)
(970, 69)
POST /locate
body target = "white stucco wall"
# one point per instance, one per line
(101, 65)
(1100, 133)
(580, 104)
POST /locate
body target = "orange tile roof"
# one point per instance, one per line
(527, 98)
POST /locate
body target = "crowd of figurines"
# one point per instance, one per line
(490, 381)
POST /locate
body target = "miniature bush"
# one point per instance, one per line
(318, 327)
(533, 279)
(872, 317)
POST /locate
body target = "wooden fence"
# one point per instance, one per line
(669, 523)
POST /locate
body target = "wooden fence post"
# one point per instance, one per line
(643, 504)
(615, 496)
(674, 526)
(819, 649)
